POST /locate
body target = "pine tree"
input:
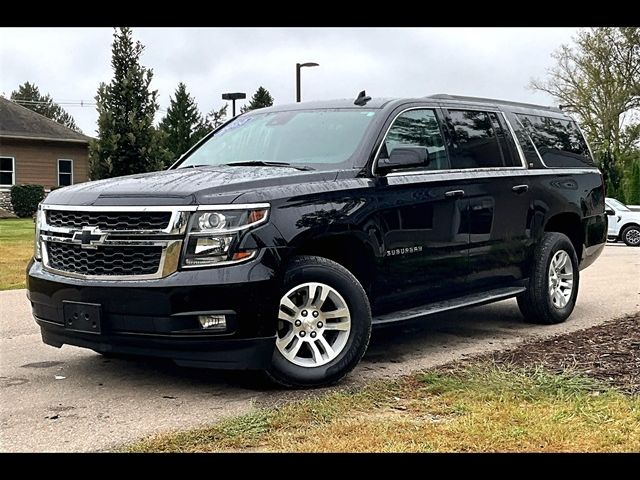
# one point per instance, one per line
(633, 191)
(183, 124)
(28, 95)
(215, 118)
(128, 142)
(261, 99)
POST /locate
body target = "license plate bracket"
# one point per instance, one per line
(82, 317)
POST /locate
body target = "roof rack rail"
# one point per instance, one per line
(445, 96)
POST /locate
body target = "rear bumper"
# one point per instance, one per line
(595, 238)
(160, 317)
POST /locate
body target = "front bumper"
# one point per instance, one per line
(159, 317)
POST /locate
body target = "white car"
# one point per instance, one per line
(624, 223)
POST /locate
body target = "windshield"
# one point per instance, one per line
(617, 205)
(321, 139)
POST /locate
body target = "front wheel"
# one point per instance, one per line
(553, 285)
(324, 324)
(631, 236)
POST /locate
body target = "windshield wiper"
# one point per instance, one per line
(193, 166)
(262, 163)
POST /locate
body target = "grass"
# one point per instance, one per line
(483, 408)
(16, 249)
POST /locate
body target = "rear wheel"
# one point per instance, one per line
(324, 324)
(553, 286)
(631, 236)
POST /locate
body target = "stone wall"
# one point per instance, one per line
(5, 200)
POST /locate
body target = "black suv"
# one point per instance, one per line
(279, 240)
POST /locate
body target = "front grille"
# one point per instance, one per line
(105, 260)
(109, 220)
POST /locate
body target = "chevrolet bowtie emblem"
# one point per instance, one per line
(89, 237)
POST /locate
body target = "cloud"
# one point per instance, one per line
(69, 63)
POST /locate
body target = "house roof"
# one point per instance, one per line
(17, 121)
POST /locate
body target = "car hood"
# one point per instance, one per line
(630, 216)
(188, 186)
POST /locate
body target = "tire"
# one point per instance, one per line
(538, 304)
(306, 279)
(631, 236)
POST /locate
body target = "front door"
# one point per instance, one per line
(612, 220)
(423, 218)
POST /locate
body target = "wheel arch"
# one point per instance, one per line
(347, 249)
(625, 226)
(570, 224)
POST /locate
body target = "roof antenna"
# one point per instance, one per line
(362, 99)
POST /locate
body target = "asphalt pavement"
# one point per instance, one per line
(72, 399)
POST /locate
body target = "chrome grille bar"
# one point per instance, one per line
(169, 239)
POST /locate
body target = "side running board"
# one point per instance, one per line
(437, 307)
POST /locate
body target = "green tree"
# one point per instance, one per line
(262, 98)
(128, 142)
(598, 78)
(183, 124)
(632, 181)
(215, 118)
(28, 95)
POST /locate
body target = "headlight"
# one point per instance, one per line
(213, 236)
(37, 248)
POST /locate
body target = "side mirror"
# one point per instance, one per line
(404, 157)
(608, 211)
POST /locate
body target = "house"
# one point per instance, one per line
(37, 150)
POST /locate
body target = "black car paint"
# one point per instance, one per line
(421, 245)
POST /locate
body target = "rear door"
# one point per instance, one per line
(422, 215)
(483, 150)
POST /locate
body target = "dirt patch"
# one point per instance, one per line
(609, 352)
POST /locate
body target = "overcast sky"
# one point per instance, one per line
(69, 63)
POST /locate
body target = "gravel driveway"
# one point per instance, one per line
(72, 399)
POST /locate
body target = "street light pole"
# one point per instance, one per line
(298, 67)
(233, 97)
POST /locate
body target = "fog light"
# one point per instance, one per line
(213, 322)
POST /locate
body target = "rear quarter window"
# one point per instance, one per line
(558, 141)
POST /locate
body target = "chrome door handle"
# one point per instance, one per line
(520, 188)
(454, 193)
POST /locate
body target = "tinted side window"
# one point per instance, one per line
(474, 140)
(507, 142)
(418, 128)
(558, 141)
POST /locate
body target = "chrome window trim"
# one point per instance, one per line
(384, 137)
(452, 170)
(531, 141)
(523, 161)
(461, 174)
(515, 139)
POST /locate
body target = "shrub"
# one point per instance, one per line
(25, 199)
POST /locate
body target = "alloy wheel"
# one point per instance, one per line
(313, 324)
(560, 279)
